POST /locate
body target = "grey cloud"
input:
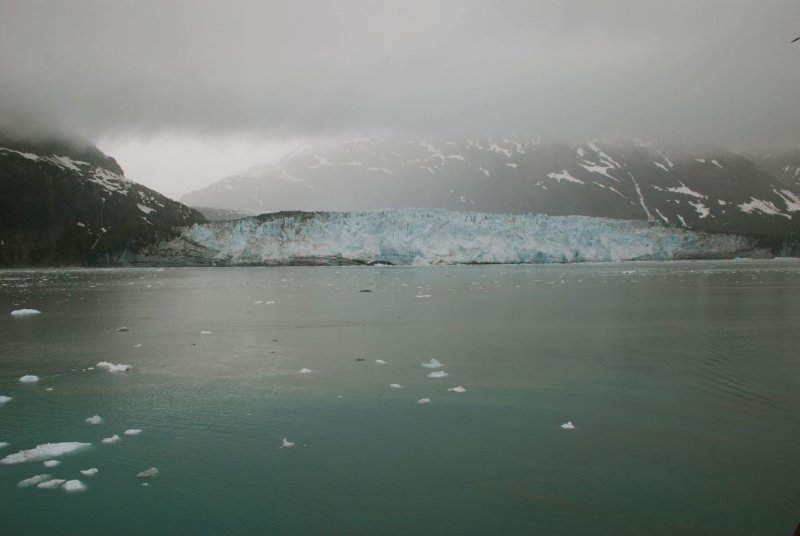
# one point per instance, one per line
(706, 70)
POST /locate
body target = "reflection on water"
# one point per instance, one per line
(682, 380)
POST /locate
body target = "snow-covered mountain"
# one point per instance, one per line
(435, 236)
(62, 201)
(706, 189)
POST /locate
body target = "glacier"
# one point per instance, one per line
(433, 237)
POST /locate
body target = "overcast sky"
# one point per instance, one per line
(185, 92)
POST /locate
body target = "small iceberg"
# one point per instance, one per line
(74, 486)
(395, 386)
(32, 481)
(149, 473)
(286, 444)
(123, 329)
(305, 371)
(205, 332)
(458, 389)
(90, 472)
(380, 361)
(437, 374)
(424, 401)
(568, 426)
(422, 296)
(433, 363)
(94, 419)
(133, 431)
(25, 312)
(3, 444)
(51, 484)
(29, 378)
(44, 451)
(4, 399)
(139, 345)
(51, 463)
(111, 440)
(111, 367)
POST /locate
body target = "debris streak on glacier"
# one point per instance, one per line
(428, 236)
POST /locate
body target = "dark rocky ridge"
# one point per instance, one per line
(64, 202)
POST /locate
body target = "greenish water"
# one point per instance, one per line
(682, 379)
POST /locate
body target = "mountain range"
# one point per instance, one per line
(708, 189)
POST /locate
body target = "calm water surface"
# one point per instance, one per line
(682, 380)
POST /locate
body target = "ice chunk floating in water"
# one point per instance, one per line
(437, 374)
(305, 371)
(45, 451)
(29, 378)
(25, 312)
(424, 401)
(396, 386)
(51, 484)
(458, 389)
(51, 463)
(380, 361)
(4, 399)
(94, 419)
(133, 431)
(74, 486)
(568, 426)
(90, 472)
(433, 363)
(3, 444)
(149, 473)
(32, 481)
(205, 332)
(111, 367)
(286, 444)
(111, 440)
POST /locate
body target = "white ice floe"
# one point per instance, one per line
(94, 419)
(49, 389)
(133, 431)
(90, 472)
(74, 486)
(123, 329)
(149, 473)
(29, 378)
(286, 444)
(51, 463)
(25, 312)
(458, 389)
(32, 481)
(51, 484)
(3, 444)
(422, 296)
(111, 440)
(424, 401)
(380, 361)
(395, 386)
(305, 371)
(568, 426)
(44, 452)
(433, 363)
(4, 399)
(111, 367)
(205, 332)
(437, 374)
(137, 345)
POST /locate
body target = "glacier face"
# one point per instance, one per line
(433, 236)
